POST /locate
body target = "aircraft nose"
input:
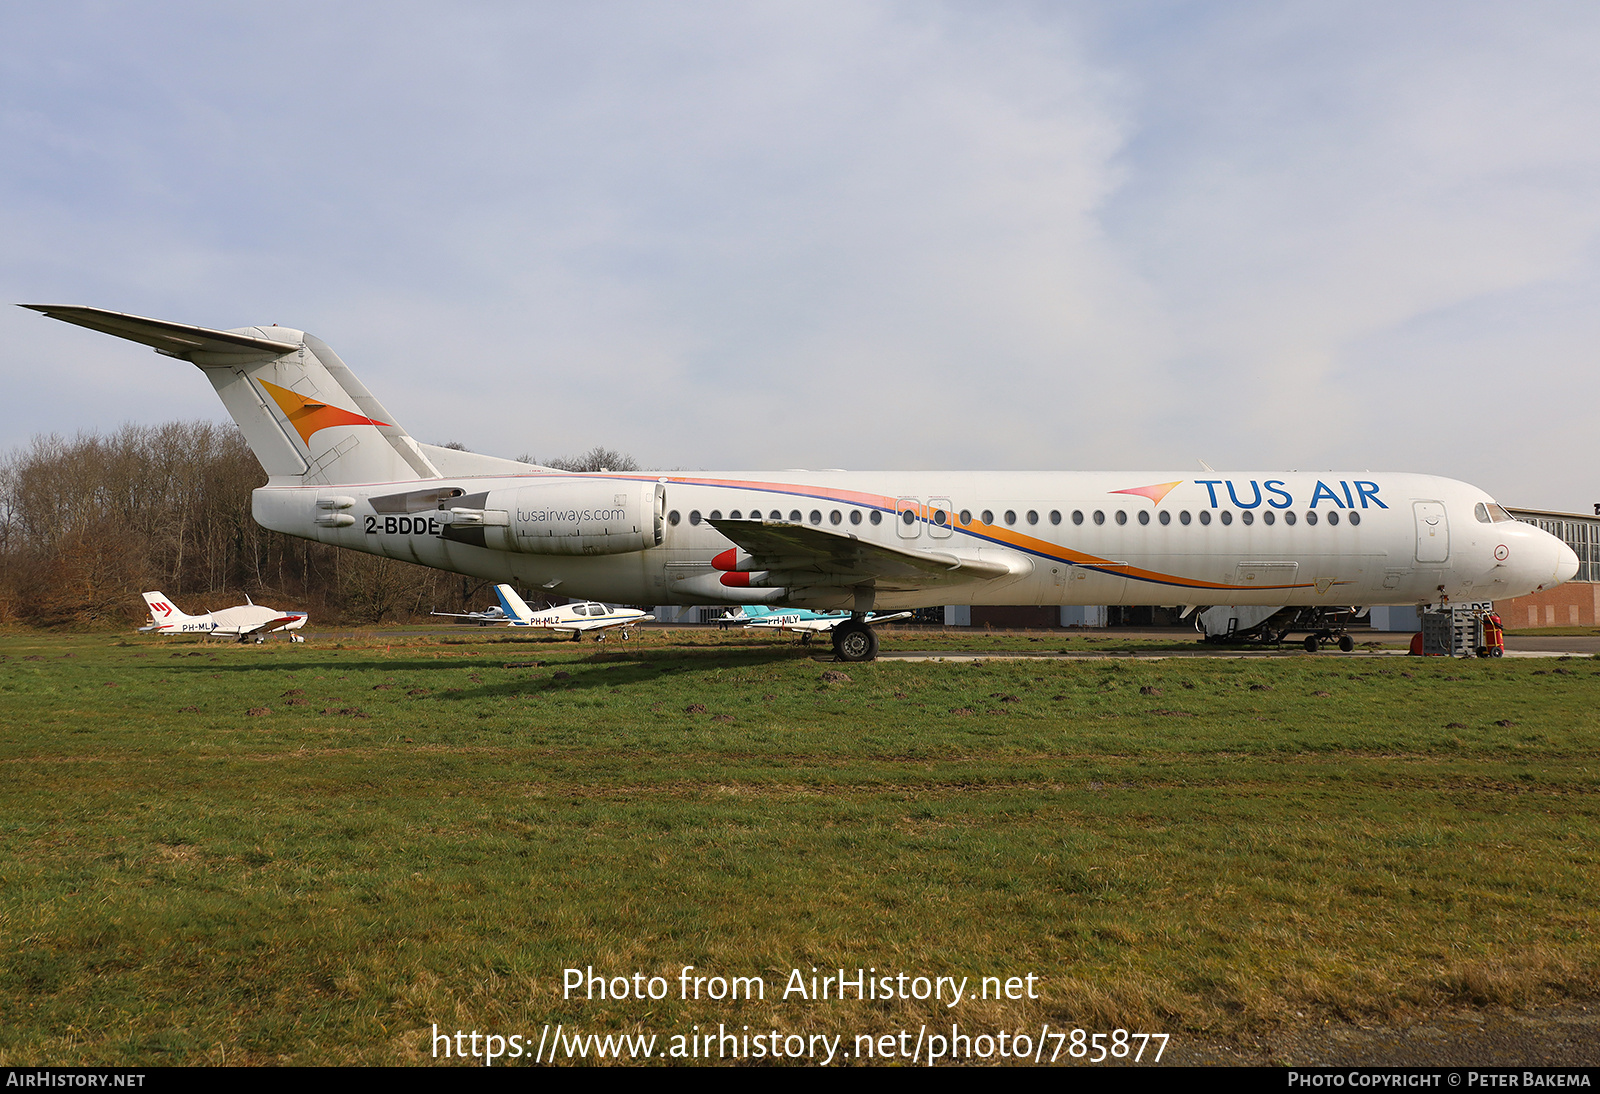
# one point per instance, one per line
(1566, 563)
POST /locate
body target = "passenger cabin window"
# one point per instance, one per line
(1144, 516)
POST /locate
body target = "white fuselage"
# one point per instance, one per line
(225, 623)
(1286, 538)
(591, 617)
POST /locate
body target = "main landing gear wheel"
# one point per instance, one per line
(1312, 645)
(853, 640)
(1346, 643)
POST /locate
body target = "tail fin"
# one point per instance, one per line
(515, 609)
(303, 412)
(162, 609)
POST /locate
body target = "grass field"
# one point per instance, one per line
(222, 853)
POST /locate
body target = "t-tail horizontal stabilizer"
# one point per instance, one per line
(303, 412)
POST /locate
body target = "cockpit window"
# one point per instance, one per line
(1491, 513)
(1500, 515)
(1481, 511)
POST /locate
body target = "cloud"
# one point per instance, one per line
(845, 235)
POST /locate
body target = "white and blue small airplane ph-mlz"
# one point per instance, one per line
(1309, 546)
(574, 619)
(799, 621)
(245, 621)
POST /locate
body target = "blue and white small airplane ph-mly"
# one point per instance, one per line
(801, 622)
(574, 619)
(245, 621)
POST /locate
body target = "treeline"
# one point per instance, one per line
(88, 524)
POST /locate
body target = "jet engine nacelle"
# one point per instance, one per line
(566, 517)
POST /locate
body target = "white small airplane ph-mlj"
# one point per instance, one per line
(245, 621)
(1306, 547)
(574, 619)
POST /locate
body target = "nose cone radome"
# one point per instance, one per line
(1566, 563)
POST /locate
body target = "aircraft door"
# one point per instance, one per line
(906, 522)
(940, 521)
(1433, 531)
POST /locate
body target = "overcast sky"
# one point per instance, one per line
(858, 235)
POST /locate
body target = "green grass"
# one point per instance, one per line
(417, 833)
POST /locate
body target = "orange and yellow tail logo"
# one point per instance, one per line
(308, 415)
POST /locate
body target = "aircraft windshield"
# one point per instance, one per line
(1491, 514)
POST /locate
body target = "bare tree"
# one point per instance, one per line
(597, 458)
(88, 524)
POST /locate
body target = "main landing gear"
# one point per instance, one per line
(1316, 641)
(853, 640)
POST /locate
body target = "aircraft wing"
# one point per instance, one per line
(584, 626)
(813, 556)
(271, 624)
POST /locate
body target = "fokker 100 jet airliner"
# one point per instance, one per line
(342, 471)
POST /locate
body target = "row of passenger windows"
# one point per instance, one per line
(1246, 516)
(939, 517)
(795, 516)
